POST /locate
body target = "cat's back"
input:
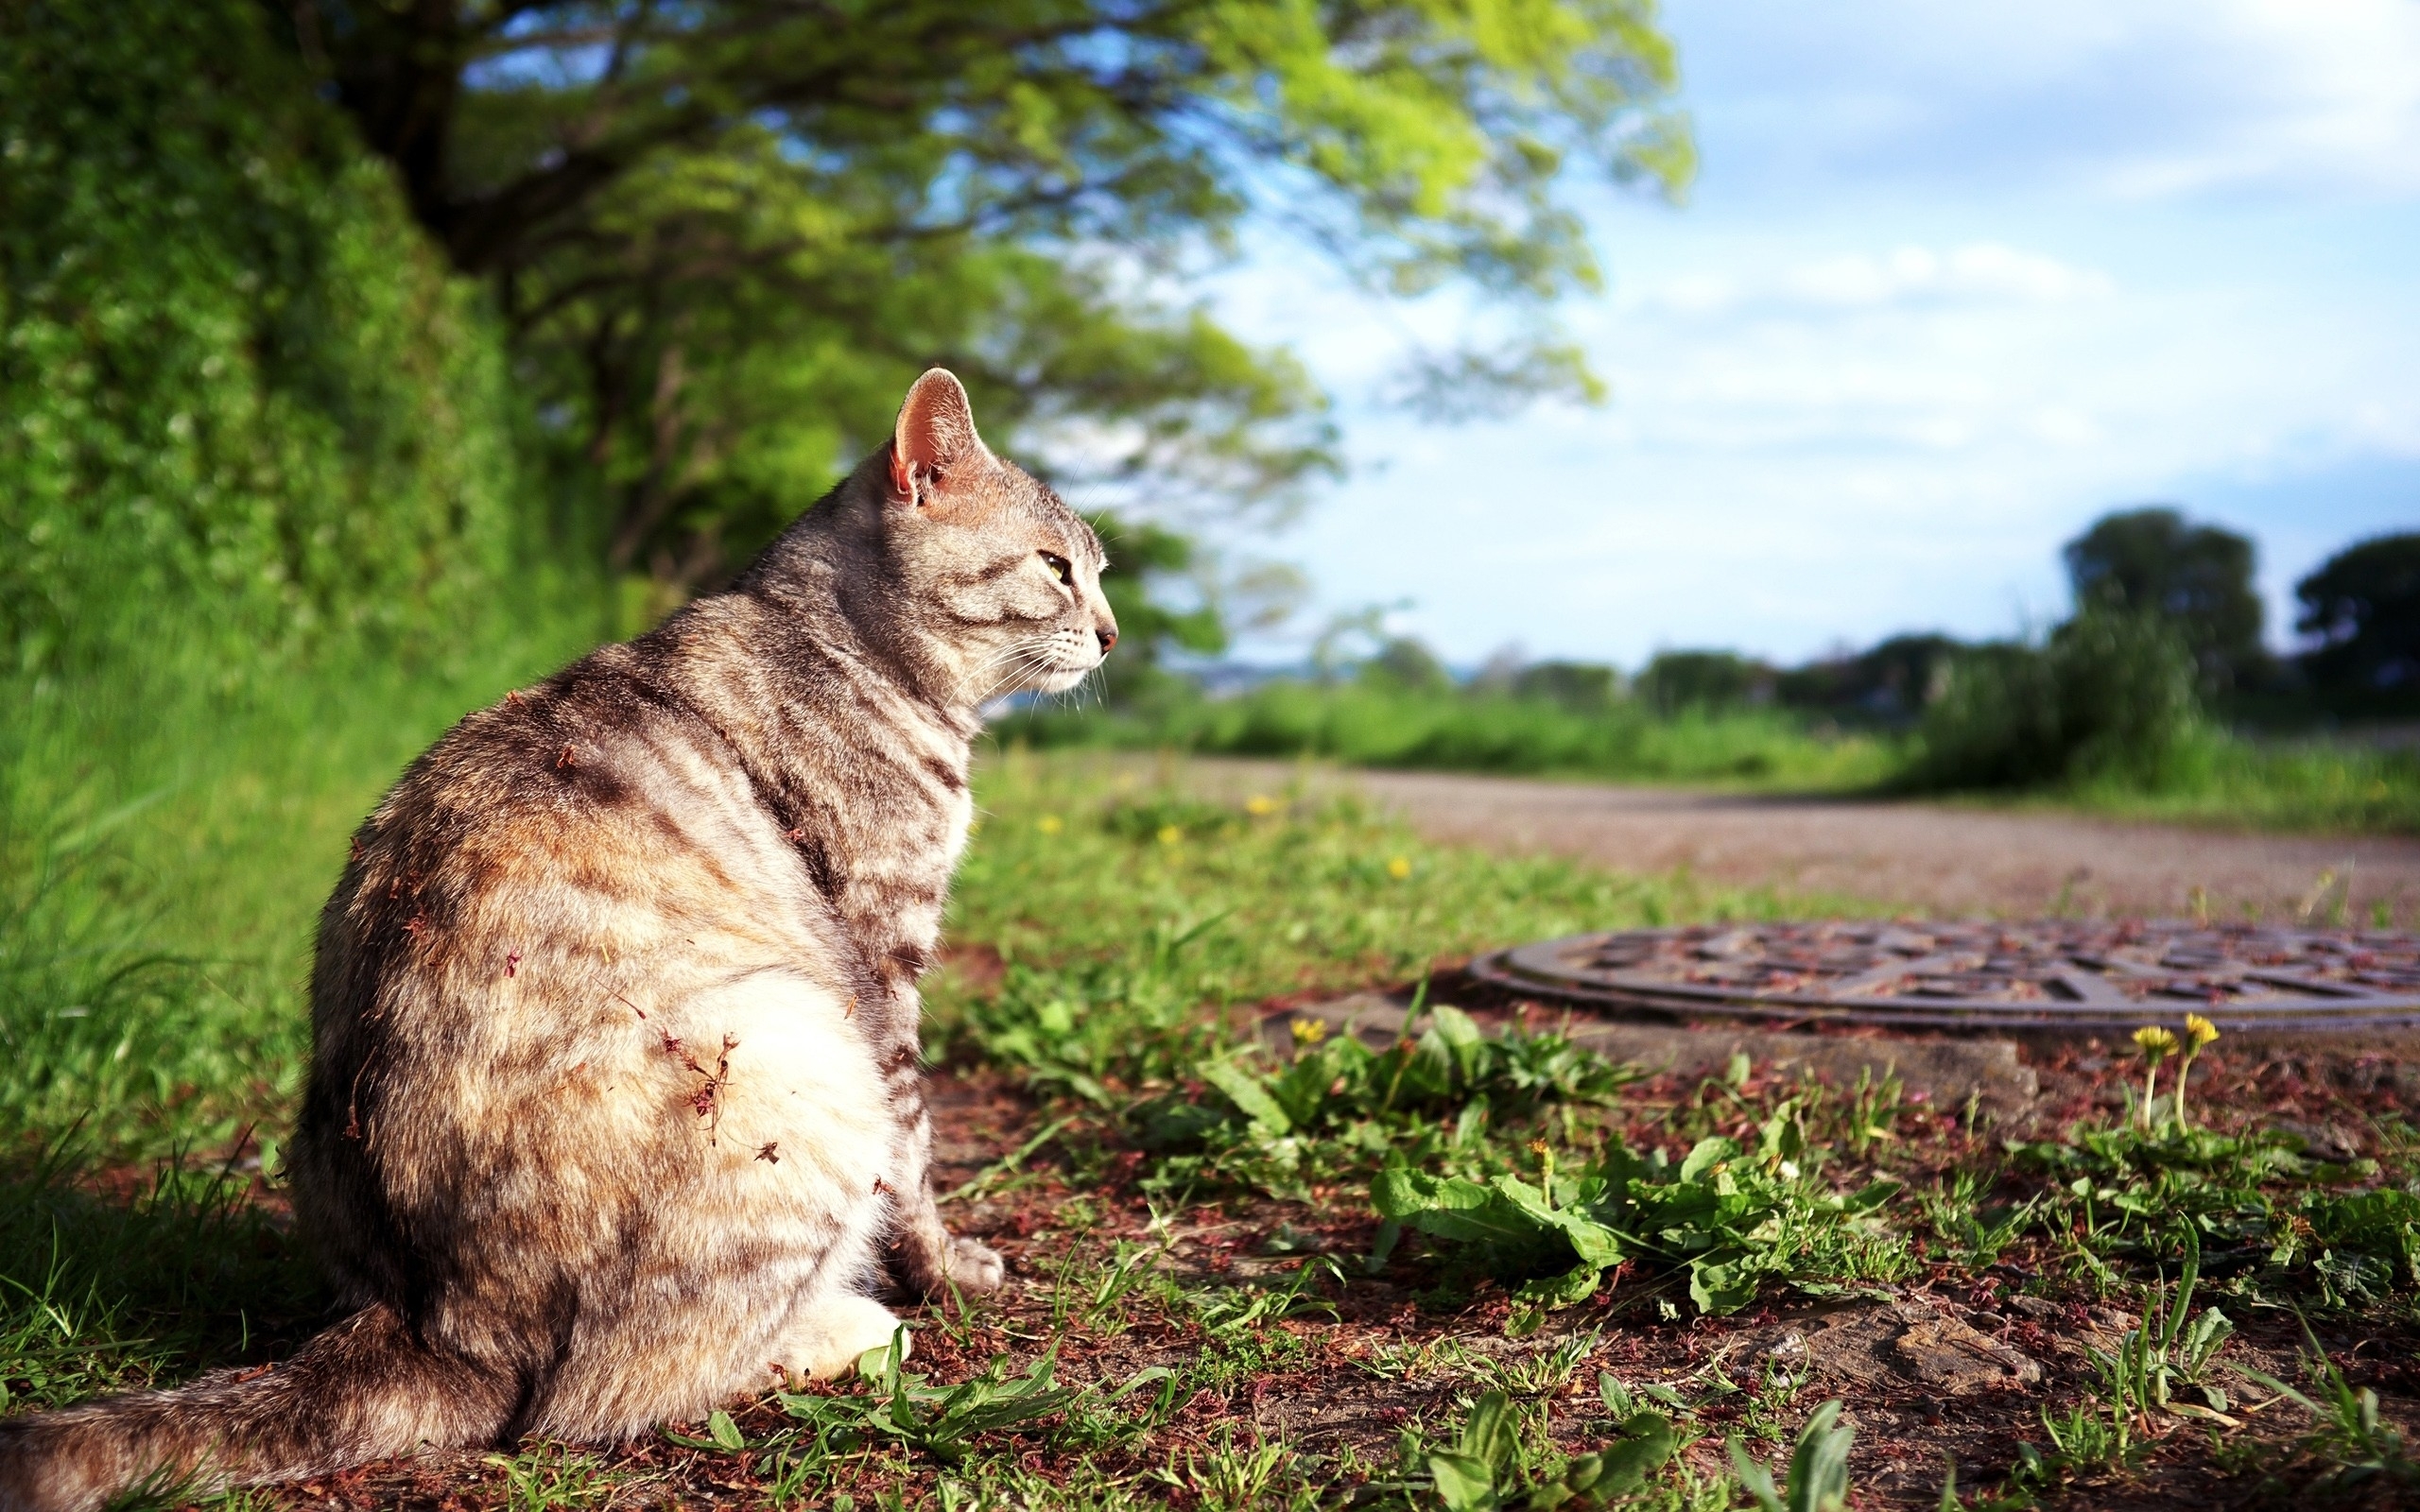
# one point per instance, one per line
(598, 810)
(540, 893)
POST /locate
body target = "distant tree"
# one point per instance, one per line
(1405, 663)
(2197, 577)
(1584, 686)
(1675, 681)
(2363, 604)
(1892, 682)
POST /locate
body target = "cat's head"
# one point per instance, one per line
(1004, 579)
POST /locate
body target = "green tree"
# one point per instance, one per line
(1893, 682)
(2197, 577)
(2110, 697)
(727, 231)
(1674, 680)
(2363, 606)
(1586, 687)
(1407, 664)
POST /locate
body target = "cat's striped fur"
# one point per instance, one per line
(614, 1110)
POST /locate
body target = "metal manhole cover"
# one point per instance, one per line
(2046, 974)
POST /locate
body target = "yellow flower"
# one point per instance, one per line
(1170, 834)
(2155, 1041)
(1050, 824)
(1309, 1031)
(1399, 868)
(2200, 1029)
(1260, 805)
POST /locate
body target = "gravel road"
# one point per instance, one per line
(1940, 858)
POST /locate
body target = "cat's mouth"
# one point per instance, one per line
(1063, 675)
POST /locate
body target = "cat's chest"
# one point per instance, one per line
(890, 883)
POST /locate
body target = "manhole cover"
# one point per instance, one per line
(2048, 974)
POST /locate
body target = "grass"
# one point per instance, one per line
(1367, 725)
(1211, 1312)
(2210, 776)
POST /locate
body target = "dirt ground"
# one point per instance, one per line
(1929, 856)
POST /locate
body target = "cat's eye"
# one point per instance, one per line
(1059, 568)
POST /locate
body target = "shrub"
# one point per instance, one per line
(2109, 697)
(241, 401)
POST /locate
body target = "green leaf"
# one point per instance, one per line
(1245, 1090)
(1487, 1436)
(1706, 1155)
(1819, 1473)
(1647, 1444)
(1461, 1039)
(1591, 1241)
(1463, 1484)
(1577, 1284)
(1872, 1195)
(724, 1432)
(1717, 1288)
(1754, 1478)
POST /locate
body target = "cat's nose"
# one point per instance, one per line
(1108, 635)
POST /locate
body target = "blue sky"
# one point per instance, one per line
(1952, 281)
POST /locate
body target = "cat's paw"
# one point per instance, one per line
(974, 1266)
(832, 1337)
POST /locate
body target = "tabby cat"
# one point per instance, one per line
(615, 1110)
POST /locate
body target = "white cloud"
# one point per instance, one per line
(1982, 273)
(2140, 98)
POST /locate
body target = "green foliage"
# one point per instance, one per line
(247, 411)
(1130, 918)
(2350, 1437)
(2159, 1354)
(2363, 606)
(904, 1408)
(1370, 723)
(164, 846)
(2196, 578)
(2259, 1207)
(2110, 697)
(1339, 1108)
(100, 1293)
(1817, 1479)
(710, 220)
(1730, 1219)
(1892, 682)
(1489, 1467)
(1706, 680)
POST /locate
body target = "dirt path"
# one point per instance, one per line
(1918, 855)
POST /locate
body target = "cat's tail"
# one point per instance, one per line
(365, 1389)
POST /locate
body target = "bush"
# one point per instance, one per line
(243, 406)
(2110, 697)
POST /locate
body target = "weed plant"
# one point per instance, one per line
(1340, 1109)
(1729, 1217)
(2260, 1209)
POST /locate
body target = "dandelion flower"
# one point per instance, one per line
(2155, 1043)
(1050, 824)
(1309, 1031)
(2200, 1031)
(1399, 868)
(1260, 805)
(1170, 834)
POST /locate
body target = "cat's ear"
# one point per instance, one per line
(935, 434)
